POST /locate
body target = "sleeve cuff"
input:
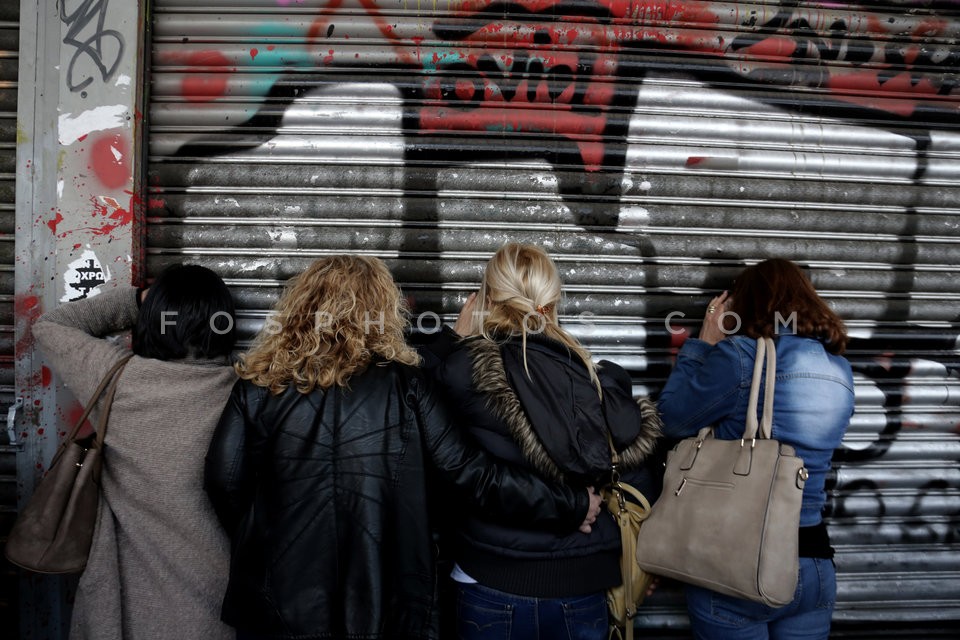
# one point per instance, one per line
(695, 349)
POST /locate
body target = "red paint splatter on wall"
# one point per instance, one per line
(46, 376)
(253, 53)
(26, 309)
(108, 159)
(53, 223)
(27, 305)
(107, 208)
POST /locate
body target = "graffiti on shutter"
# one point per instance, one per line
(654, 149)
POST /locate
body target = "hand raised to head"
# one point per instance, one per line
(465, 323)
(712, 329)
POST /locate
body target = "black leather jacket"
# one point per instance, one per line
(325, 496)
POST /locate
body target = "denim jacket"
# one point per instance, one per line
(813, 400)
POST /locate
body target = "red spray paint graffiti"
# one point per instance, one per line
(109, 160)
(209, 85)
(557, 70)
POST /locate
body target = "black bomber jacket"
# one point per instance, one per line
(541, 410)
(326, 496)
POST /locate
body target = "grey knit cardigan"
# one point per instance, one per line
(159, 561)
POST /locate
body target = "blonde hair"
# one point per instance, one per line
(518, 296)
(330, 322)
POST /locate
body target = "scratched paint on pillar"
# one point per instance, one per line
(76, 127)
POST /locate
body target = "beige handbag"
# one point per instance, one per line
(624, 599)
(729, 514)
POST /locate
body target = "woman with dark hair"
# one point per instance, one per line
(159, 559)
(327, 461)
(813, 403)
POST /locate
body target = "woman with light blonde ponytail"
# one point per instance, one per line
(519, 294)
(531, 394)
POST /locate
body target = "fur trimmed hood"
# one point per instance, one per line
(634, 425)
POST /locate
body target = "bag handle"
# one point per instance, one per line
(766, 352)
(621, 516)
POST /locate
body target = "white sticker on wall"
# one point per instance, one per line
(83, 276)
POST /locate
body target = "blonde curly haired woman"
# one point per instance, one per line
(531, 394)
(322, 463)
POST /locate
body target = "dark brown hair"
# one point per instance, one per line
(188, 311)
(766, 295)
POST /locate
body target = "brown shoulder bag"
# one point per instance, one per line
(53, 532)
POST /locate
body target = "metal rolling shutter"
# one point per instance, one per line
(279, 134)
(9, 58)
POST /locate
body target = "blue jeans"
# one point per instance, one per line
(718, 617)
(488, 614)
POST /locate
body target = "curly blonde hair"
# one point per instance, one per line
(330, 323)
(519, 295)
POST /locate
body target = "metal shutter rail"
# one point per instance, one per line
(9, 58)
(428, 137)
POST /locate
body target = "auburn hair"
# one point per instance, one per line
(329, 324)
(776, 293)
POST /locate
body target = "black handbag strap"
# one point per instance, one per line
(110, 379)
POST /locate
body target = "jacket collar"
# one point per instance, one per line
(490, 379)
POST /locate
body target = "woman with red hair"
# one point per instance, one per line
(813, 402)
